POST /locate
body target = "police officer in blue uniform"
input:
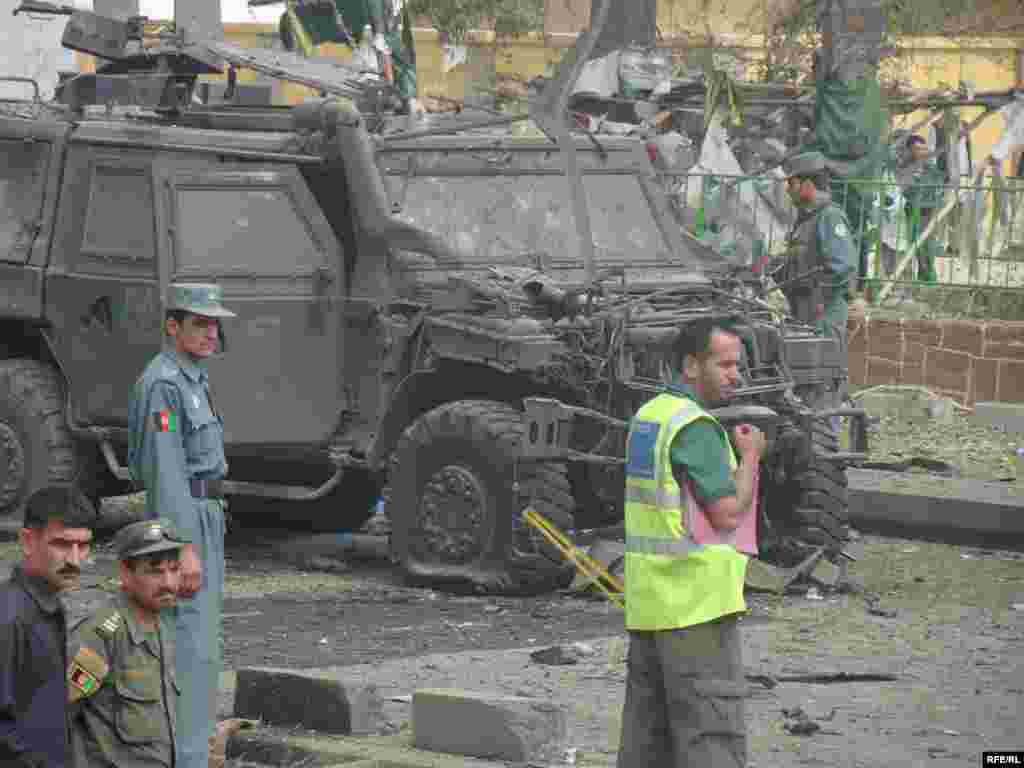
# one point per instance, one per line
(176, 452)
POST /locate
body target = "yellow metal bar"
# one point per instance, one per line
(585, 564)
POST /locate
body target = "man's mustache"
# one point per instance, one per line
(70, 570)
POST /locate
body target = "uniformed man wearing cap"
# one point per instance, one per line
(922, 182)
(820, 240)
(176, 452)
(121, 679)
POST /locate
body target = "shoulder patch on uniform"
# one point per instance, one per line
(86, 674)
(841, 230)
(110, 625)
(165, 421)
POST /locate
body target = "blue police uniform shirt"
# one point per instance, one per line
(835, 243)
(176, 436)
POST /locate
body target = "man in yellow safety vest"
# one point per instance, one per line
(685, 685)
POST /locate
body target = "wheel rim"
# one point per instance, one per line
(12, 464)
(452, 513)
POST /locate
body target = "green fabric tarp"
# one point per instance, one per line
(850, 120)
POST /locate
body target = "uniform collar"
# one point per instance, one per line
(679, 388)
(194, 371)
(136, 632)
(39, 590)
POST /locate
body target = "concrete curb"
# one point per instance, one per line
(283, 748)
(948, 510)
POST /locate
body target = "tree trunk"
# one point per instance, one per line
(628, 23)
(117, 9)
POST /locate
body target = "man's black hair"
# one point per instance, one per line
(694, 338)
(155, 558)
(59, 503)
(176, 314)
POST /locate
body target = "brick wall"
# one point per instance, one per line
(969, 361)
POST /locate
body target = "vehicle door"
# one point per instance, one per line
(103, 291)
(27, 152)
(258, 232)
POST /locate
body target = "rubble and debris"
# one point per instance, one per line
(556, 655)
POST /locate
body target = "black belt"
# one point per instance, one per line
(206, 489)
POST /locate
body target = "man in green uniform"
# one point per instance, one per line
(121, 681)
(176, 452)
(820, 240)
(820, 264)
(685, 685)
(923, 185)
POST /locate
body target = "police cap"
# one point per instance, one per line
(147, 537)
(198, 298)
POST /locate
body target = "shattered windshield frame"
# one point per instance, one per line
(507, 204)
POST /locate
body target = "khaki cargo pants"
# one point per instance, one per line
(684, 698)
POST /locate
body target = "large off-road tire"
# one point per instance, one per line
(36, 447)
(816, 499)
(455, 506)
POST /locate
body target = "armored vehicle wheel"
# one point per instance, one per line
(36, 446)
(455, 508)
(816, 500)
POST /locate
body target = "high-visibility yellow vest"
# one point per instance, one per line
(671, 581)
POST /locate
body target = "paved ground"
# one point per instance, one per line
(948, 622)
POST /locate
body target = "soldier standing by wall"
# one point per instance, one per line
(121, 681)
(55, 541)
(176, 452)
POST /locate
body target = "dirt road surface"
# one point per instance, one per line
(947, 622)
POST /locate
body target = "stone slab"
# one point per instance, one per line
(950, 510)
(319, 702)
(282, 748)
(494, 726)
(1008, 416)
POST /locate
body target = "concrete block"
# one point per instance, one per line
(959, 511)
(1008, 416)
(488, 725)
(317, 702)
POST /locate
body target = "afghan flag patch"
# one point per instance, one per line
(165, 421)
(83, 680)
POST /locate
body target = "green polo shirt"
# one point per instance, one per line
(700, 455)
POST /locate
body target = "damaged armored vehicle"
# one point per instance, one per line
(403, 301)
